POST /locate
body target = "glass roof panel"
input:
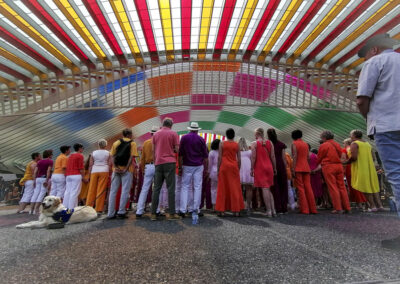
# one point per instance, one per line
(215, 22)
(154, 11)
(233, 25)
(135, 22)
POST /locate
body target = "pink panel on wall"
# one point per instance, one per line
(178, 117)
(315, 90)
(143, 138)
(252, 87)
(207, 99)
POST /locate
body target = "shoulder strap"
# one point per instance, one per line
(337, 151)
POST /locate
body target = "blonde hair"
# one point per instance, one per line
(102, 143)
(243, 144)
(260, 132)
(347, 141)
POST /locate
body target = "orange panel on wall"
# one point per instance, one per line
(171, 85)
(138, 115)
(216, 66)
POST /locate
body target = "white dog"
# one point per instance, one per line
(54, 212)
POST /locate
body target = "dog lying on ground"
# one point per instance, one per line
(54, 212)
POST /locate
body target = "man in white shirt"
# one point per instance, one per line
(378, 98)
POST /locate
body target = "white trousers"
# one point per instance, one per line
(149, 171)
(72, 189)
(28, 192)
(116, 180)
(40, 190)
(178, 186)
(191, 175)
(214, 186)
(58, 185)
(292, 203)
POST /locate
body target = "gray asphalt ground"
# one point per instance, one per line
(292, 248)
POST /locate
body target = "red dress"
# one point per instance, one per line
(229, 192)
(263, 170)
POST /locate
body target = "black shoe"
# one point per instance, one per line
(139, 215)
(393, 244)
(111, 217)
(122, 216)
(181, 214)
(200, 214)
(159, 214)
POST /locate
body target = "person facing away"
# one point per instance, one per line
(27, 181)
(99, 169)
(41, 177)
(75, 175)
(301, 172)
(192, 156)
(378, 100)
(147, 167)
(364, 177)
(123, 153)
(165, 147)
(58, 176)
(213, 170)
(329, 156)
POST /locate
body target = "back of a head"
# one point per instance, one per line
(356, 133)
(230, 133)
(271, 133)
(64, 149)
(35, 155)
(77, 146)
(47, 153)
(127, 132)
(297, 134)
(347, 141)
(328, 135)
(215, 144)
(168, 122)
(102, 143)
(259, 132)
(243, 144)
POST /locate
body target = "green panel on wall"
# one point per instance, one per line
(233, 118)
(276, 117)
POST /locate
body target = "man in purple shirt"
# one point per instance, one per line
(192, 155)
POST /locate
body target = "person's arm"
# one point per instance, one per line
(35, 171)
(272, 157)
(142, 159)
(48, 173)
(294, 155)
(220, 155)
(91, 162)
(354, 152)
(284, 158)
(253, 157)
(363, 105)
(239, 157)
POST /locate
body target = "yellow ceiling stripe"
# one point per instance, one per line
(341, 4)
(123, 20)
(17, 20)
(353, 65)
(287, 16)
(20, 62)
(205, 27)
(244, 23)
(361, 29)
(76, 22)
(165, 14)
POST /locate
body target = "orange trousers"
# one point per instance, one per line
(305, 193)
(97, 191)
(334, 178)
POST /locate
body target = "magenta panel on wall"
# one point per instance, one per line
(313, 89)
(178, 117)
(207, 99)
(253, 87)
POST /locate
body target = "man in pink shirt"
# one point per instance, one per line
(165, 147)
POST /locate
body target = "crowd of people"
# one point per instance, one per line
(176, 175)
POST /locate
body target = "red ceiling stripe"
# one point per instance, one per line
(339, 29)
(27, 49)
(49, 21)
(14, 73)
(269, 11)
(388, 26)
(102, 24)
(144, 17)
(312, 11)
(223, 27)
(186, 21)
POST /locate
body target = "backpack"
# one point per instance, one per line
(123, 153)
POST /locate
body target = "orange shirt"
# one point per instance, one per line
(289, 165)
(329, 153)
(147, 153)
(302, 165)
(61, 164)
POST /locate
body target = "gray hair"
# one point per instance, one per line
(327, 135)
(167, 122)
(102, 143)
(347, 141)
(243, 145)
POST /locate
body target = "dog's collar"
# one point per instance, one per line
(63, 216)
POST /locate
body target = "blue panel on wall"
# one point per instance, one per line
(108, 88)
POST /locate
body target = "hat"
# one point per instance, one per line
(154, 129)
(194, 126)
(383, 40)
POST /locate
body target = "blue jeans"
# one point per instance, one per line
(388, 144)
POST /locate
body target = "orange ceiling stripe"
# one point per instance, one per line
(20, 62)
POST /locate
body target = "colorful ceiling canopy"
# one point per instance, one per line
(39, 37)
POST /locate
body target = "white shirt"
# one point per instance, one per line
(380, 80)
(100, 161)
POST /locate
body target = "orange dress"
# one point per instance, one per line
(263, 170)
(229, 192)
